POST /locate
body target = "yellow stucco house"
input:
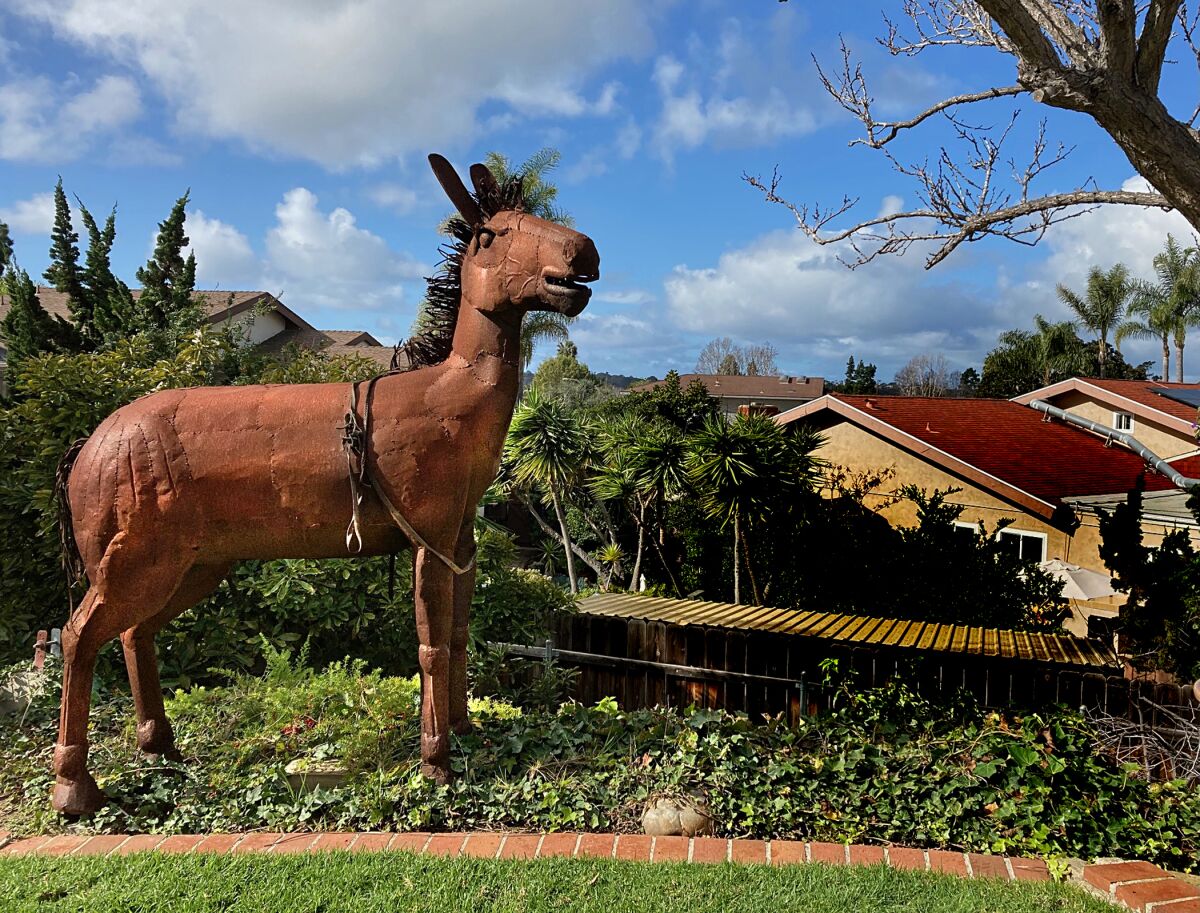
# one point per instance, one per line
(1009, 461)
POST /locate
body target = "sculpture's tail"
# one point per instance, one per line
(71, 559)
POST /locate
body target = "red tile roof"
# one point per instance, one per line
(1005, 440)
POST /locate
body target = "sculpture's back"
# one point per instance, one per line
(174, 488)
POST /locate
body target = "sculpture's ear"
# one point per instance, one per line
(484, 181)
(456, 190)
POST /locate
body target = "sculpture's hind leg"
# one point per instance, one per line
(155, 736)
(126, 589)
(75, 792)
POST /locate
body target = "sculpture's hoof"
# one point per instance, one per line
(167, 754)
(439, 775)
(77, 797)
(157, 741)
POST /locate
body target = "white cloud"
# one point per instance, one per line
(224, 258)
(785, 288)
(633, 296)
(357, 83)
(44, 122)
(729, 94)
(396, 197)
(307, 243)
(689, 120)
(34, 216)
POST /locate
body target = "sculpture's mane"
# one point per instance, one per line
(438, 315)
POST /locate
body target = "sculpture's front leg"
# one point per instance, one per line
(434, 597)
(464, 591)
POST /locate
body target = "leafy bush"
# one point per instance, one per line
(884, 766)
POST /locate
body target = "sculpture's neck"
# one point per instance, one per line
(491, 343)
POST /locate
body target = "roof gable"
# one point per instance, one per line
(1143, 398)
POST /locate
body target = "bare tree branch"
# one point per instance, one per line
(1152, 46)
(886, 234)
(1079, 55)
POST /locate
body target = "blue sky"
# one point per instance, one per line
(300, 127)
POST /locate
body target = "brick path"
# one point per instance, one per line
(631, 847)
(1138, 886)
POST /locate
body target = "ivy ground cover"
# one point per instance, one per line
(883, 766)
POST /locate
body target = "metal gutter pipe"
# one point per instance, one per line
(1156, 462)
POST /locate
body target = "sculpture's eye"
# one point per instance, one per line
(486, 236)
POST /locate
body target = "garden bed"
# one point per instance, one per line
(883, 767)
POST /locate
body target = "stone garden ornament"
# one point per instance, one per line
(175, 487)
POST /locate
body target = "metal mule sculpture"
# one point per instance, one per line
(172, 489)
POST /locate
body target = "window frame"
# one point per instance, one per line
(1116, 421)
(1027, 533)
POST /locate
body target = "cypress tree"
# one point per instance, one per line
(64, 274)
(6, 249)
(168, 279)
(27, 329)
(112, 304)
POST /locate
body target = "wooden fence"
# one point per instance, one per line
(643, 663)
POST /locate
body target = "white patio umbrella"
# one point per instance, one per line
(1079, 582)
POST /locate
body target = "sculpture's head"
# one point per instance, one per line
(511, 260)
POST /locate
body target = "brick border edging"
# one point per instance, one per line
(1139, 886)
(630, 847)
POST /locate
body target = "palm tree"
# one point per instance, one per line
(1178, 271)
(1052, 348)
(540, 194)
(1103, 306)
(1151, 315)
(547, 447)
(541, 326)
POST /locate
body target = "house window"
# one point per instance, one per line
(966, 528)
(1025, 545)
(1122, 421)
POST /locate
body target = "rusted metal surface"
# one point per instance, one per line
(174, 488)
(859, 630)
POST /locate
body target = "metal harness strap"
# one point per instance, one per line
(355, 438)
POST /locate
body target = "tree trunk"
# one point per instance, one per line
(562, 525)
(737, 592)
(1166, 359)
(758, 600)
(1103, 353)
(636, 583)
(1178, 360)
(557, 537)
(657, 542)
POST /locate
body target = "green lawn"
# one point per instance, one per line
(391, 882)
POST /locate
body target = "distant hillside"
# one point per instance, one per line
(620, 381)
(617, 381)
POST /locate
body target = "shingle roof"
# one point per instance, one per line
(225, 305)
(1000, 440)
(216, 302)
(857, 630)
(742, 386)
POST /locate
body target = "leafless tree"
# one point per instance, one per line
(715, 354)
(724, 356)
(760, 359)
(927, 375)
(1103, 58)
